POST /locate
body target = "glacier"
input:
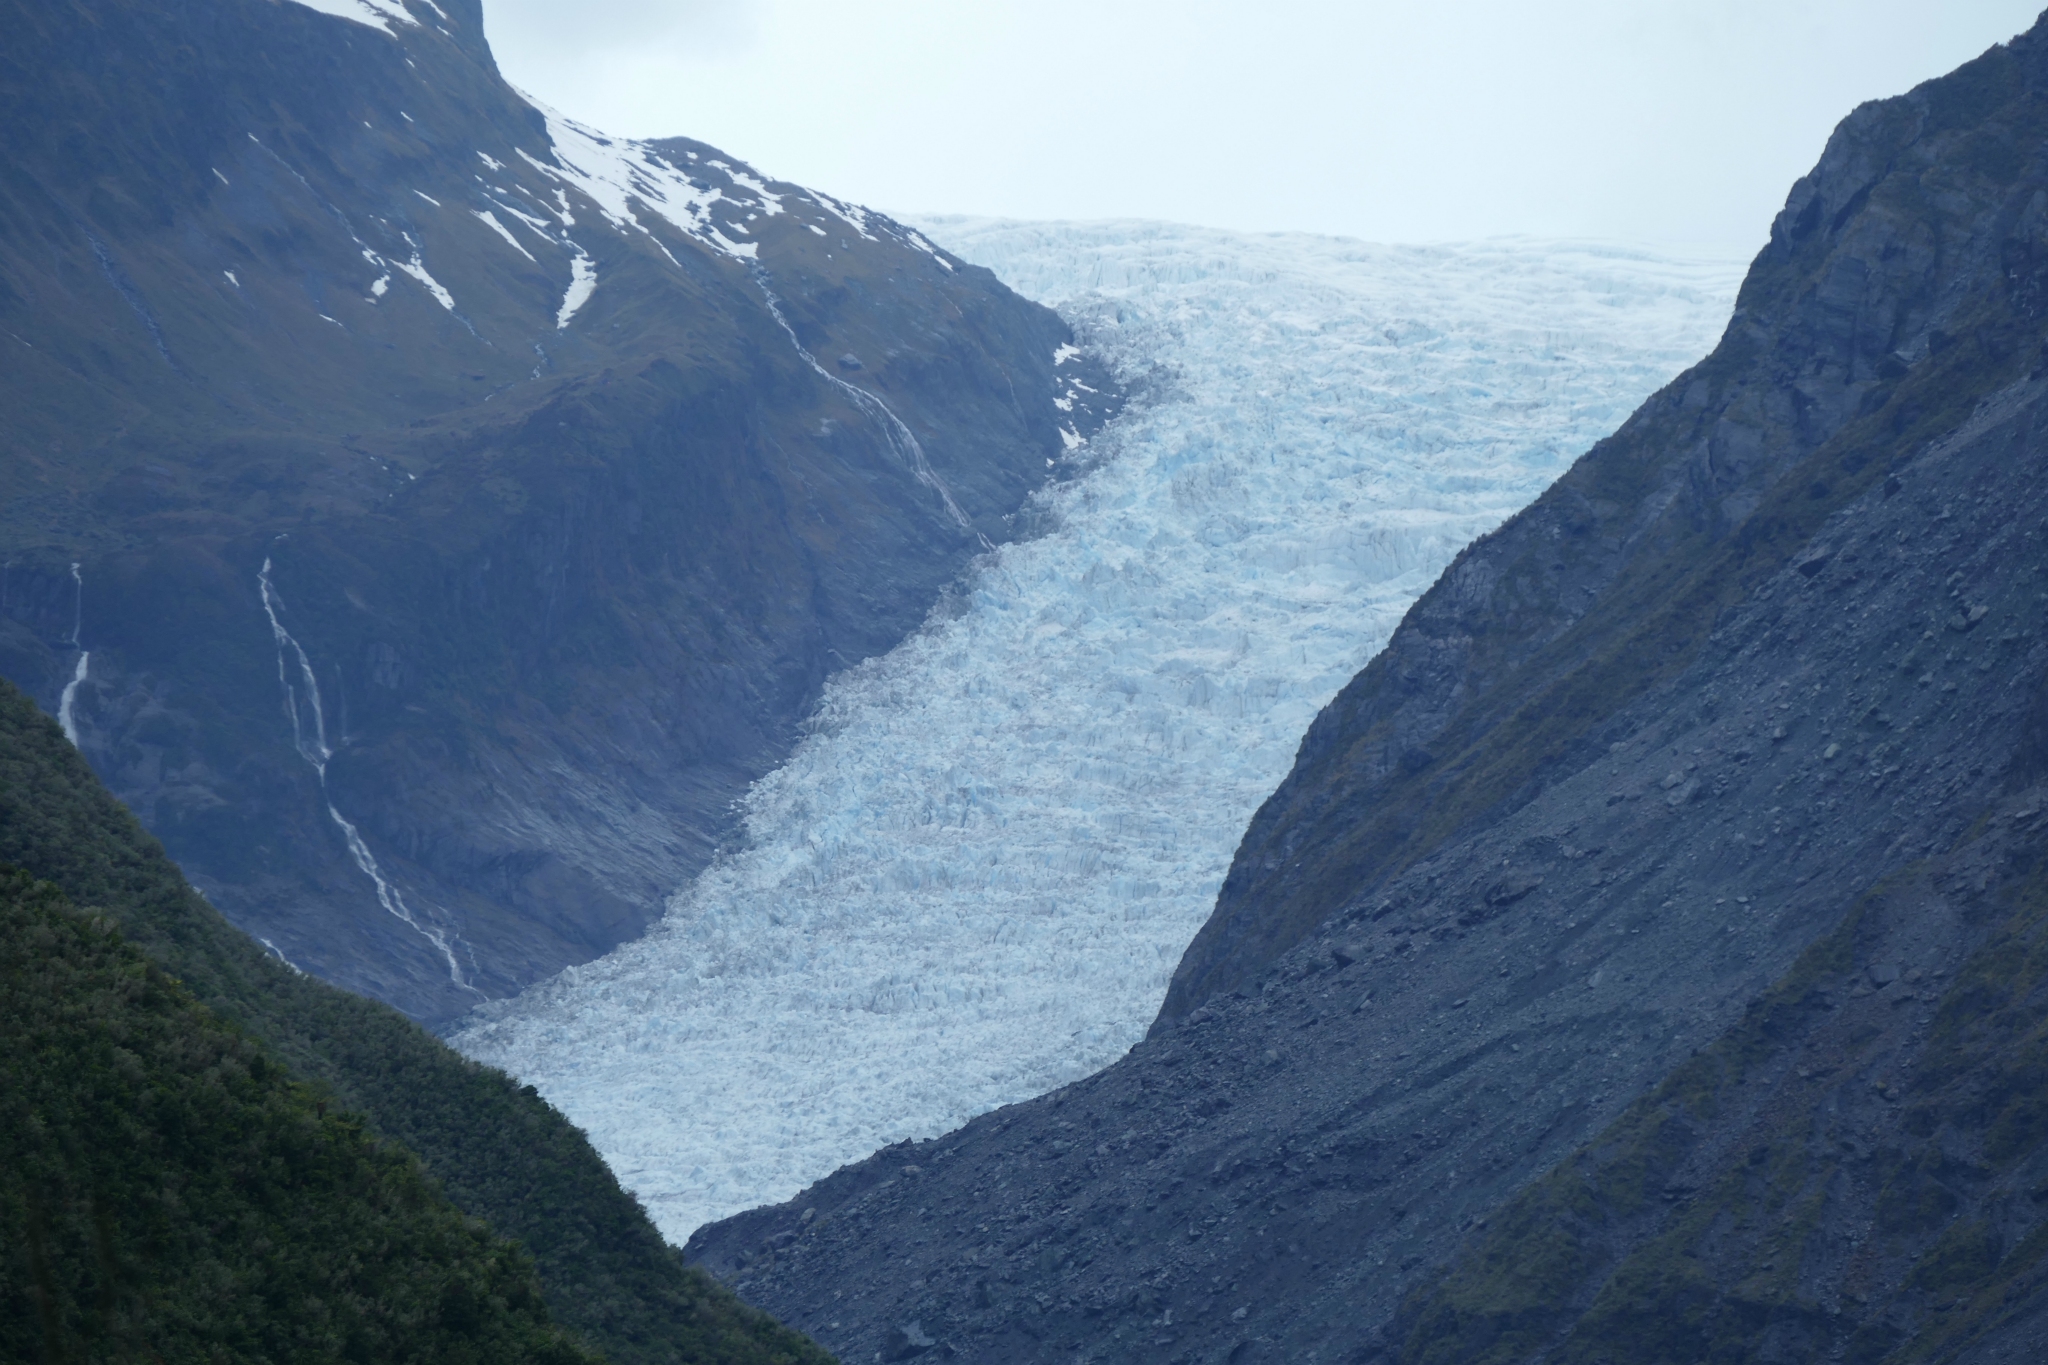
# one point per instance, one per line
(972, 879)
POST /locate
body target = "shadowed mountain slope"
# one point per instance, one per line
(1688, 825)
(495, 1150)
(428, 513)
(154, 1156)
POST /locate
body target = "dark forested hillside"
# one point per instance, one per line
(496, 1151)
(169, 1192)
(1642, 961)
(428, 513)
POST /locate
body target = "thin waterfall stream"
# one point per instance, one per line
(312, 745)
(67, 703)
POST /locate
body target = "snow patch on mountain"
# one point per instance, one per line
(490, 220)
(418, 270)
(617, 173)
(582, 284)
(972, 879)
(373, 13)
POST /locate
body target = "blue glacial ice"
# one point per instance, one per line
(972, 879)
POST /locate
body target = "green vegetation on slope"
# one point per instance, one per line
(170, 1192)
(1817, 1185)
(497, 1150)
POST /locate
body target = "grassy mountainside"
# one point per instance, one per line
(498, 1152)
(170, 1192)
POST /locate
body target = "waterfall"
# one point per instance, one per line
(67, 704)
(902, 442)
(67, 713)
(311, 742)
(315, 750)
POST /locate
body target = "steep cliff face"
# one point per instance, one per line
(1687, 830)
(443, 510)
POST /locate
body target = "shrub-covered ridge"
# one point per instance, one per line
(497, 1151)
(170, 1192)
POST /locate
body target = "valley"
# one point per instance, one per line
(971, 881)
(608, 757)
(1640, 960)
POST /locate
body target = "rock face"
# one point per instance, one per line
(429, 514)
(1639, 962)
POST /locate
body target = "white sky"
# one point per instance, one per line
(1654, 120)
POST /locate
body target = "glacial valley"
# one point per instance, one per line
(972, 880)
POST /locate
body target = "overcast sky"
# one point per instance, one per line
(1651, 120)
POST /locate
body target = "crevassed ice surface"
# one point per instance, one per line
(972, 880)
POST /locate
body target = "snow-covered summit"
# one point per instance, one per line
(970, 883)
(550, 200)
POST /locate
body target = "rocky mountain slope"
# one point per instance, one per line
(1639, 962)
(266, 1186)
(429, 513)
